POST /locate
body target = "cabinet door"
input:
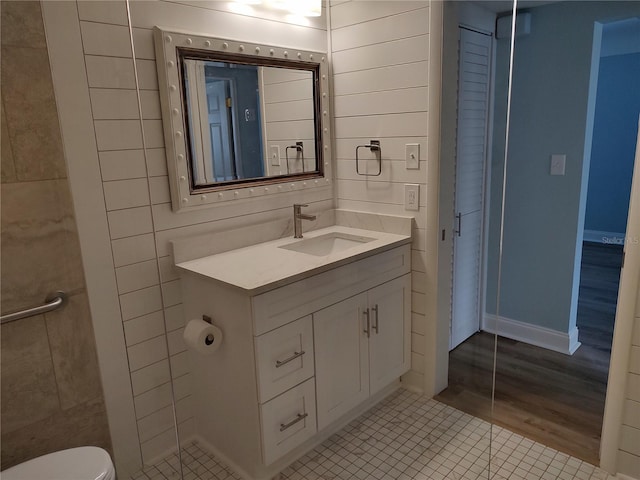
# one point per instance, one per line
(390, 342)
(342, 364)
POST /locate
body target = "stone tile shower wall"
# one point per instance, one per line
(51, 392)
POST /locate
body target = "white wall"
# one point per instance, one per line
(122, 198)
(619, 448)
(380, 60)
(629, 450)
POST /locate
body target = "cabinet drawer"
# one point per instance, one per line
(282, 305)
(288, 420)
(284, 358)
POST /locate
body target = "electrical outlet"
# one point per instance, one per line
(274, 153)
(412, 156)
(411, 196)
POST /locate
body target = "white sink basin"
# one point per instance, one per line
(327, 244)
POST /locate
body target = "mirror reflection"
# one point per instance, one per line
(247, 121)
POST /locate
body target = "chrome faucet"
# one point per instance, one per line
(298, 216)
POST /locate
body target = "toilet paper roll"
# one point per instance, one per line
(202, 337)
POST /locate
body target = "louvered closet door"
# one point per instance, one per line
(473, 96)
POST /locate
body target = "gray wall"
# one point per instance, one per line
(544, 214)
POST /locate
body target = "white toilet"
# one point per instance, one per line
(82, 463)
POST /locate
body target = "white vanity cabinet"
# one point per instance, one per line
(361, 346)
(299, 360)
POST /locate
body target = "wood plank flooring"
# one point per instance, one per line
(555, 399)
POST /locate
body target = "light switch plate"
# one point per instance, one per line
(412, 156)
(411, 196)
(274, 154)
(558, 164)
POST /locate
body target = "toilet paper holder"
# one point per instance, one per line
(202, 336)
(210, 338)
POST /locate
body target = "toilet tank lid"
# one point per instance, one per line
(81, 463)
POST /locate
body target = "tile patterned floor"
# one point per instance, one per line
(197, 464)
(407, 436)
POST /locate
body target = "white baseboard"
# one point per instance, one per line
(608, 238)
(562, 342)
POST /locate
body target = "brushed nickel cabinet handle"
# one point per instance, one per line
(299, 418)
(375, 322)
(295, 355)
(367, 330)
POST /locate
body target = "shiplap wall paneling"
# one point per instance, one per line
(629, 450)
(289, 118)
(136, 188)
(380, 74)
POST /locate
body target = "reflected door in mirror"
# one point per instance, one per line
(224, 121)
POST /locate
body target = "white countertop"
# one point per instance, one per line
(262, 267)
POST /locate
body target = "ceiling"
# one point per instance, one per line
(503, 6)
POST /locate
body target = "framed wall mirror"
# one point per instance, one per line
(240, 120)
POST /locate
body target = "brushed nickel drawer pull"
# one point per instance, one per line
(299, 418)
(295, 355)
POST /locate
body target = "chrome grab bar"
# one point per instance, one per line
(52, 302)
